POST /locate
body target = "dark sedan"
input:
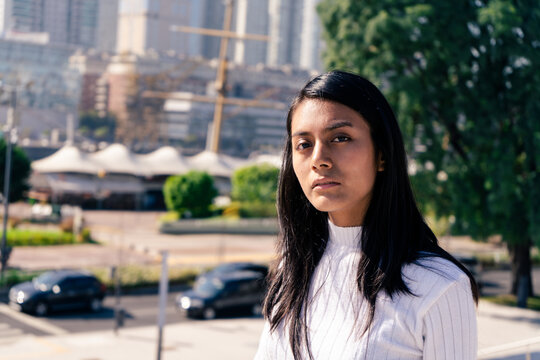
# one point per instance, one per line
(58, 290)
(228, 292)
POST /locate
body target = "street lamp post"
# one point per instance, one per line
(10, 139)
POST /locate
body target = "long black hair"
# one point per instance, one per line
(394, 232)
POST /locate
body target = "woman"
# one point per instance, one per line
(360, 275)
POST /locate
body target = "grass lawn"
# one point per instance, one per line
(533, 303)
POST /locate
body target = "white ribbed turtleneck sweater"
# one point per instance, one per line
(438, 323)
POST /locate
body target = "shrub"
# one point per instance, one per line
(132, 276)
(191, 193)
(85, 236)
(16, 237)
(257, 209)
(15, 276)
(256, 183)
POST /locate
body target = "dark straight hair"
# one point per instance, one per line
(394, 232)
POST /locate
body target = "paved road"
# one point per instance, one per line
(141, 310)
(498, 282)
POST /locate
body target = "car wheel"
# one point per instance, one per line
(209, 314)
(96, 305)
(41, 309)
(256, 310)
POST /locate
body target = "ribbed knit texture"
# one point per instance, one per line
(439, 322)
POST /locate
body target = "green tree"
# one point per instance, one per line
(192, 192)
(20, 171)
(101, 128)
(256, 183)
(463, 78)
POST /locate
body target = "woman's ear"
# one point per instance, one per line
(380, 163)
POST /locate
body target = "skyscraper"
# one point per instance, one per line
(251, 17)
(146, 24)
(295, 34)
(71, 22)
(107, 25)
(310, 38)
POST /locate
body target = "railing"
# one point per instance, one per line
(499, 349)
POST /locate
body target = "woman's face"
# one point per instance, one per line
(334, 159)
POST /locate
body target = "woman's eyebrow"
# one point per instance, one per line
(329, 128)
(338, 125)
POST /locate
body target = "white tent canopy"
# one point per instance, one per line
(67, 159)
(117, 158)
(215, 164)
(274, 160)
(164, 161)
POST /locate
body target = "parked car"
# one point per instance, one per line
(241, 290)
(58, 290)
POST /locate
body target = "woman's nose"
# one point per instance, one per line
(320, 157)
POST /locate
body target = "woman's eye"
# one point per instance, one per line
(341, 138)
(302, 145)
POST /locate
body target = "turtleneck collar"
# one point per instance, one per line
(344, 236)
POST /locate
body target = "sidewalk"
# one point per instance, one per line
(218, 339)
(504, 333)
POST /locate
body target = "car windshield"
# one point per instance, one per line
(209, 288)
(45, 281)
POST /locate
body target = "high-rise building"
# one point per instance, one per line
(250, 17)
(311, 37)
(71, 22)
(107, 25)
(295, 34)
(145, 25)
(212, 19)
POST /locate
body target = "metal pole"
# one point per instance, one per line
(118, 311)
(7, 178)
(163, 289)
(221, 79)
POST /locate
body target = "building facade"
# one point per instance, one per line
(292, 26)
(107, 25)
(146, 25)
(146, 121)
(66, 22)
(47, 89)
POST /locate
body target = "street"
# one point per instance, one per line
(142, 310)
(497, 282)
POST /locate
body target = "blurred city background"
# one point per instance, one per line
(142, 142)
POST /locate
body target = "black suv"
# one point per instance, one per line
(58, 290)
(231, 291)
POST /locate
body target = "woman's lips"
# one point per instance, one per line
(325, 185)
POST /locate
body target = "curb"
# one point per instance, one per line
(256, 226)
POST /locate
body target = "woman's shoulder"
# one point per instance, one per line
(433, 265)
(431, 276)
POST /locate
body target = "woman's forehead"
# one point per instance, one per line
(315, 114)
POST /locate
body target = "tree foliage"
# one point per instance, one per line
(256, 183)
(464, 79)
(20, 171)
(101, 128)
(192, 192)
